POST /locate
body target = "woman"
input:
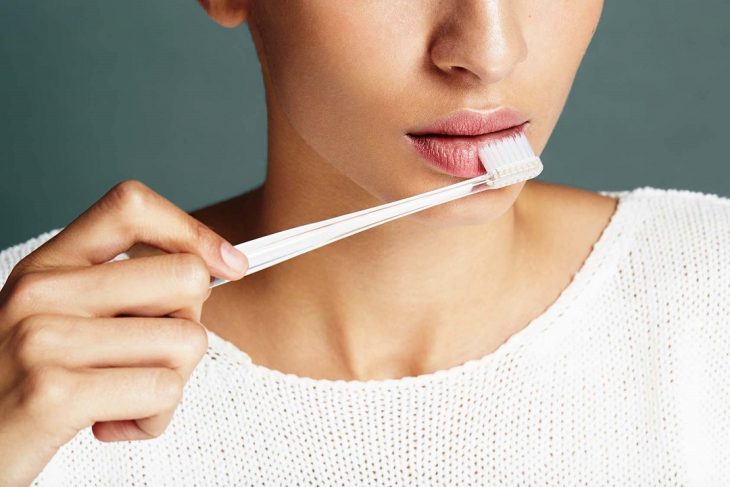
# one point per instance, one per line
(536, 334)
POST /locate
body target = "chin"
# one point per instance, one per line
(476, 209)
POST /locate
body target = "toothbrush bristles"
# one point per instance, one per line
(506, 150)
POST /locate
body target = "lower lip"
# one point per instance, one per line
(457, 155)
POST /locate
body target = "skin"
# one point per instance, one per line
(110, 345)
(344, 82)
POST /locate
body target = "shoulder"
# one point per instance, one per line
(10, 256)
(680, 249)
(687, 205)
(670, 236)
(686, 224)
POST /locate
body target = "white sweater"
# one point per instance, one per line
(623, 380)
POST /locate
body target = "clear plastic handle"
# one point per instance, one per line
(272, 249)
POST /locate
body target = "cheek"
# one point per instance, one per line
(341, 76)
(557, 35)
(350, 78)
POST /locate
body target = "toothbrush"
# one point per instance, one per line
(508, 160)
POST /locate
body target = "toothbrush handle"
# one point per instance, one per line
(272, 249)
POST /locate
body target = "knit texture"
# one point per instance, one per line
(623, 380)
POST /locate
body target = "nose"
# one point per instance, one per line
(478, 39)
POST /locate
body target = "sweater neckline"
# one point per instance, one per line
(581, 279)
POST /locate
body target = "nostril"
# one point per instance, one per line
(461, 73)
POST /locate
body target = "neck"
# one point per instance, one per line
(403, 298)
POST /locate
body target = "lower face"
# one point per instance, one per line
(354, 79)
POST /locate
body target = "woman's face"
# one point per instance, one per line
(353, 78)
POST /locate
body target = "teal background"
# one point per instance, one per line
(93, 92)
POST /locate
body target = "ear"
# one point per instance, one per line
(228, 13)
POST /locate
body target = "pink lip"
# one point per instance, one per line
(451, 144)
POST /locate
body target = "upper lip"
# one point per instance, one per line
(471, 123)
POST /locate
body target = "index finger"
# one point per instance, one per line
(130, 213)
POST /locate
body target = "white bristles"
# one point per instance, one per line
(507, 150)
(509, 160)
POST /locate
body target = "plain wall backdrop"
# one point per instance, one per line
(94, 92)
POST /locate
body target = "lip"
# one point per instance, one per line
(451, 144)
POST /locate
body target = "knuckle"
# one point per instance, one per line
(192, 274)
(199, 342)
(46, 388)
(24, 293)
(204, 237)
(129, 196)
(25, 264)
(168, 386)
(193, 338)
(31, 335)
(160, 425)
(154, 432)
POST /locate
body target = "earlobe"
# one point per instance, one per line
(228, 13)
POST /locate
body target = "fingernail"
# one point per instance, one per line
(234, 258)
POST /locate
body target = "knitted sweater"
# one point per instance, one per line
(623, 380)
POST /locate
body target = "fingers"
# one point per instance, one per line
(82, 338)
(75, 342)
(146, 286)
(122, 430)
(56, 398)
(127, 214)
(67, 349)
(53, 404)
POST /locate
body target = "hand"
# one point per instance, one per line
(87, 342)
